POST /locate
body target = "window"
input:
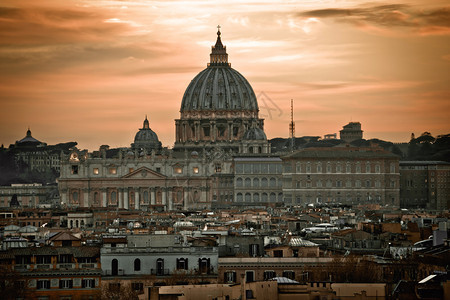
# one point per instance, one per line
(239, 182)
(377, 168)
(178, 170)
(88, 283)
(249, 276)
(253, 250)
(348, 168)
(74, 169)
(367, 168)
(206, 131)
(368, 184)
(195, 170)
(218, 168)
(43, 259)
(160, 266)
(358, 168)
(328, 168)
(247, 182)
(338, 169)
(66, 284)
(137, 264)
(230, 276)
(95, 171)
(182, 264)
(256, 182)
(204, 265)
(289, 274)
(269, 275)
(264, 182)
(112, 171)
(43, 284)
(319, 168)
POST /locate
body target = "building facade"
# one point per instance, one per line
(341, 174)
(425, 184)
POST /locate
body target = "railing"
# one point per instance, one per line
(88, 265)
(65, 266)
(21, 267)
(44, 266)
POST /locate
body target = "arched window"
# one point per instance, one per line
(264, 197)
(239, 197)
(255, 197)
(256, 182)
(238, 182)
(114, 267)
(137, 264)
(160, 267)
(273, 197)
(248, 182)
(264, 182)
(96, 198)
(272, 182)
(248, 197)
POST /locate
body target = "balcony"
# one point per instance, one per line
(88, 266)
(65, 266)
(21, 267)
(43, 266)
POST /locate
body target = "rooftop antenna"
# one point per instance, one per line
(292, 127)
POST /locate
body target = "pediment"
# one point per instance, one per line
(144, 173)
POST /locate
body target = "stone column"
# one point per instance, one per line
(125, 198)
(163, 200)
(104, 199)
(152, 196)
(120, 197)
(230, 130)
(170, 200)
(64, 196)
(185, 198)
(136, 199)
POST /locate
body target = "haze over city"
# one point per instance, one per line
(89, 71)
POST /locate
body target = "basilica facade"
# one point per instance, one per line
(218, 120)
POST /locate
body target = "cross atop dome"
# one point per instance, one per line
(218, 56)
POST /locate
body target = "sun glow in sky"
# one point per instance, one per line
(89, 71)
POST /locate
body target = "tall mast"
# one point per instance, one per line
(292, 127)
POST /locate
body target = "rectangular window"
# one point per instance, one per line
(178, 170)
(95, 171)
(88, 283)
(230, 277)
(250, 276)
(269, 275)
(74, 169)
(65, 284)
(43, 284)
(289, 274)
(278, 253)
(130, 170)
(195, 170)
(218, 168)
(112, 171)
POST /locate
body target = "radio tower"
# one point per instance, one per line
(292, 127)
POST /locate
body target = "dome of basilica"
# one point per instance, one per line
(255, 133)
(146, 138)
(219, 87)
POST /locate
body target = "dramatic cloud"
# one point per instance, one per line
(432, 21)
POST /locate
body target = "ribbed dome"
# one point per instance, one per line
(254, 133)
(146, 138)
(219, 88)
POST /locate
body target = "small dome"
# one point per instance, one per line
(255, 133)
(146, 138)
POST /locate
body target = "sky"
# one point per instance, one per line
(89, 71)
